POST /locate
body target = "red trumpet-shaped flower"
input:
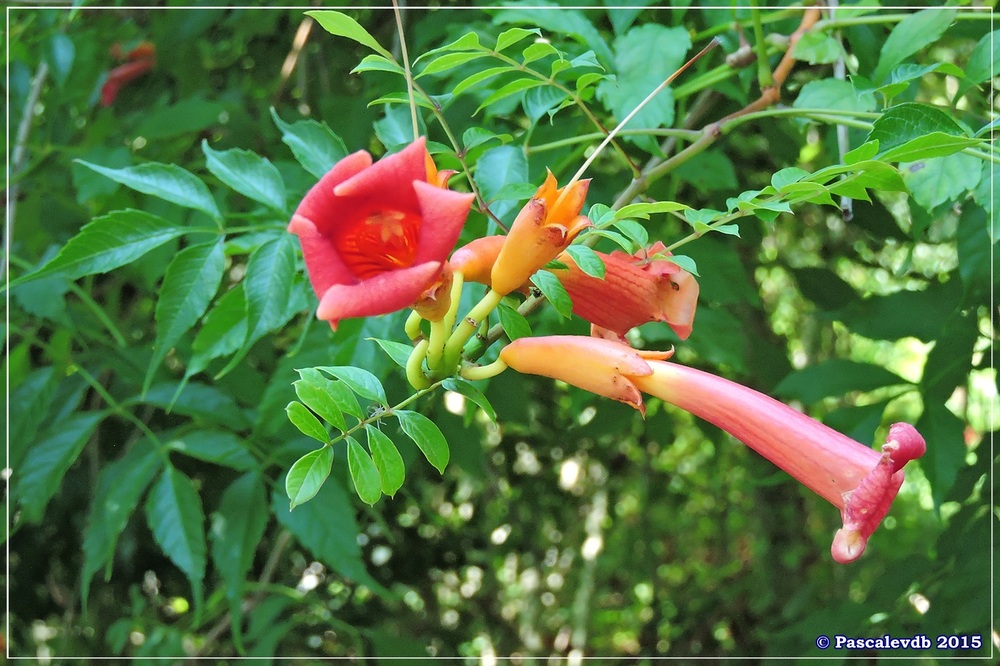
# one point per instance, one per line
(635, 290)
(141, 59)
(546, 225)
(375, 236)
(858, 480)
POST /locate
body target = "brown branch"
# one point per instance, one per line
(711, 132)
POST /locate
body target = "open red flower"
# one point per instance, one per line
(375, 236)
(635, 290)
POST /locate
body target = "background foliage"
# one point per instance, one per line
(151, 363)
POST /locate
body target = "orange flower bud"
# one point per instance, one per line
(546, 225)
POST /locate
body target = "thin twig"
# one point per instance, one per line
(712, 131)
(225, 623)
(292, 59)
(843, 144)
(406, 68)
(19, 154)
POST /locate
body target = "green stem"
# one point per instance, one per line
(477, 372)
(467, 328)
(726, 26)
(120, 410)
(587, 138)
(764, 76)
(435, 350)
(412, 326)
(414, 366)
(830, 24)
(457, 284)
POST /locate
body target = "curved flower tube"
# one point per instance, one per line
(600, 366)
(635, 290)
(858, 480)
(141, 59)
(375, 236)
(475, 259)
(546, 225)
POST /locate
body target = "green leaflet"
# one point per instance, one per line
(119, 488)
(364, 472)
(306, 422)
(48, 461)
(108, 242)
(426, 435)
(342, 25)
(175, 516)
(166, 181)
(307, 475)
(388, 462)
(314, 145)
(553, 290)
(249, 174)
(190, 283)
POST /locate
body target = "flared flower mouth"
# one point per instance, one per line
(375, 236)
(866, 505)
(546, 226)
(859, 480)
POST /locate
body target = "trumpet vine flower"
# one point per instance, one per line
(546, 226)
(600, 366)
(636, 289)
(857, 479)
(376, 236)
(140, 60)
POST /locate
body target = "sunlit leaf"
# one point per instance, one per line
(426, 435)
(308, 475)
(306, 422)
(166, 181)
(342, 25)
(364, 472)
(249, 174)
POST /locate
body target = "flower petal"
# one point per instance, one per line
(387, 183)
(323, 263)
(562, 212)
(320, 205)
(381, 294)
(444, 214)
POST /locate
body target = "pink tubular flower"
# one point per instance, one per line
(375, 236)
(599, 366)
(635, 290)
(858, 480)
